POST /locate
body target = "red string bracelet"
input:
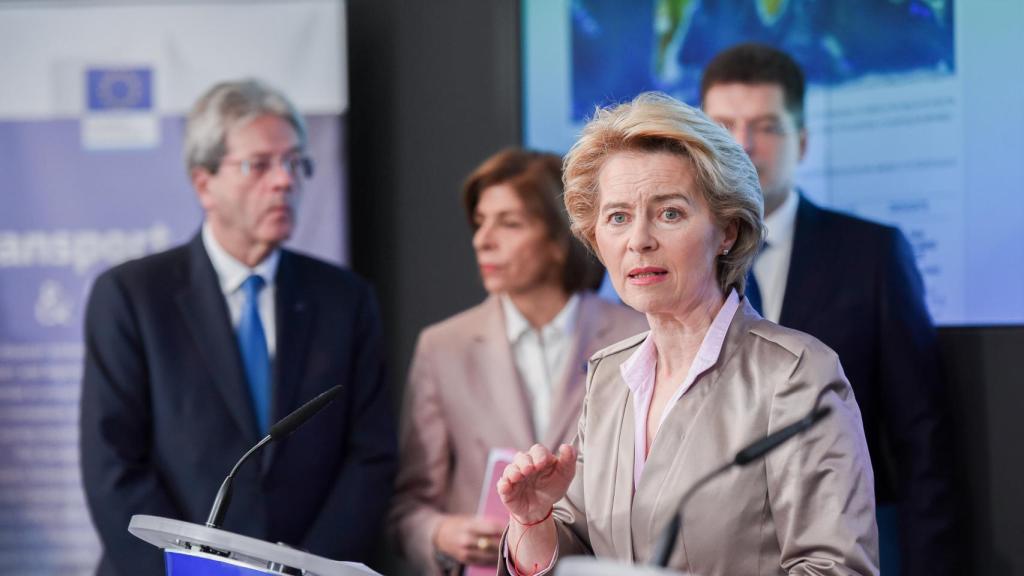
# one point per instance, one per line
(515, 550)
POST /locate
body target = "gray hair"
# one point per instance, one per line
(226, 106)
(656, 122)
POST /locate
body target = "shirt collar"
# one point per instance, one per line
(516, 324)
(230, 272)
(711, 346)
(781, 223)
(638, 370)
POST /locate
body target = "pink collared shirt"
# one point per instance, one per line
(639, 371)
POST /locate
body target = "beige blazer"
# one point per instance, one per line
(808, 508)
(464, 397)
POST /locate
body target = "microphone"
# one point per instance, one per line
(281, 429)
(762, 447)
(751, 453)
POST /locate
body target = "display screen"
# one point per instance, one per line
(915, 115)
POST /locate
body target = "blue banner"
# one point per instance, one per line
(93, 175)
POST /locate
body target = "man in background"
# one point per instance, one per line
(854, 285)
(191, 355)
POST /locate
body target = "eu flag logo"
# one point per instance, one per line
(119, 89)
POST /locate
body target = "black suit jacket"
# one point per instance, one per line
(855, 286)
(165, 410)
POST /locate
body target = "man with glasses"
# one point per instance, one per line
(855, 286)
(193, 353)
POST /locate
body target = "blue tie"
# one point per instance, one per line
(753, 291)
(252, 342)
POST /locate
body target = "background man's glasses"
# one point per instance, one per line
(297, 165)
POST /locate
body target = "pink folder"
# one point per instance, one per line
(490, 503)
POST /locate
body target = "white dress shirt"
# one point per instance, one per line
(541, 356)
(231, 274)
(771, 267)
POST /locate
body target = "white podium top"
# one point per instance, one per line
(586, 566)
(166, 533)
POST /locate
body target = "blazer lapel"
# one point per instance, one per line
(293, 311)
(570, 389)
(608, 474)
(668, 466)
(804, 280)
(206, 314)
(670, 469)
(496, 377)
(622, 492)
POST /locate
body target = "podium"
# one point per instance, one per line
(196, 550)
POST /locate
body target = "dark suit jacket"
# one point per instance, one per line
(165, 411)
(854, 285)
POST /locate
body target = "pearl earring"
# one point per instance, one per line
(725, 252)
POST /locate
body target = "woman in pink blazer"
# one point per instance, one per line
(507, 373)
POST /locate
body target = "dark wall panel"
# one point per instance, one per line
(987, 400)
(435, 90)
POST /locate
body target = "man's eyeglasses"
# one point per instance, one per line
(298, 165)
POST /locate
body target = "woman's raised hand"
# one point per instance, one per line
(535, 480)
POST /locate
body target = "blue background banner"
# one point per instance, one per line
(91, 153)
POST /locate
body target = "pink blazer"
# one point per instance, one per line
(464, 397)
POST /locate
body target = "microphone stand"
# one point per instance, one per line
(666, 542)
(281, 429)
(220, 503)
(752, 453)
